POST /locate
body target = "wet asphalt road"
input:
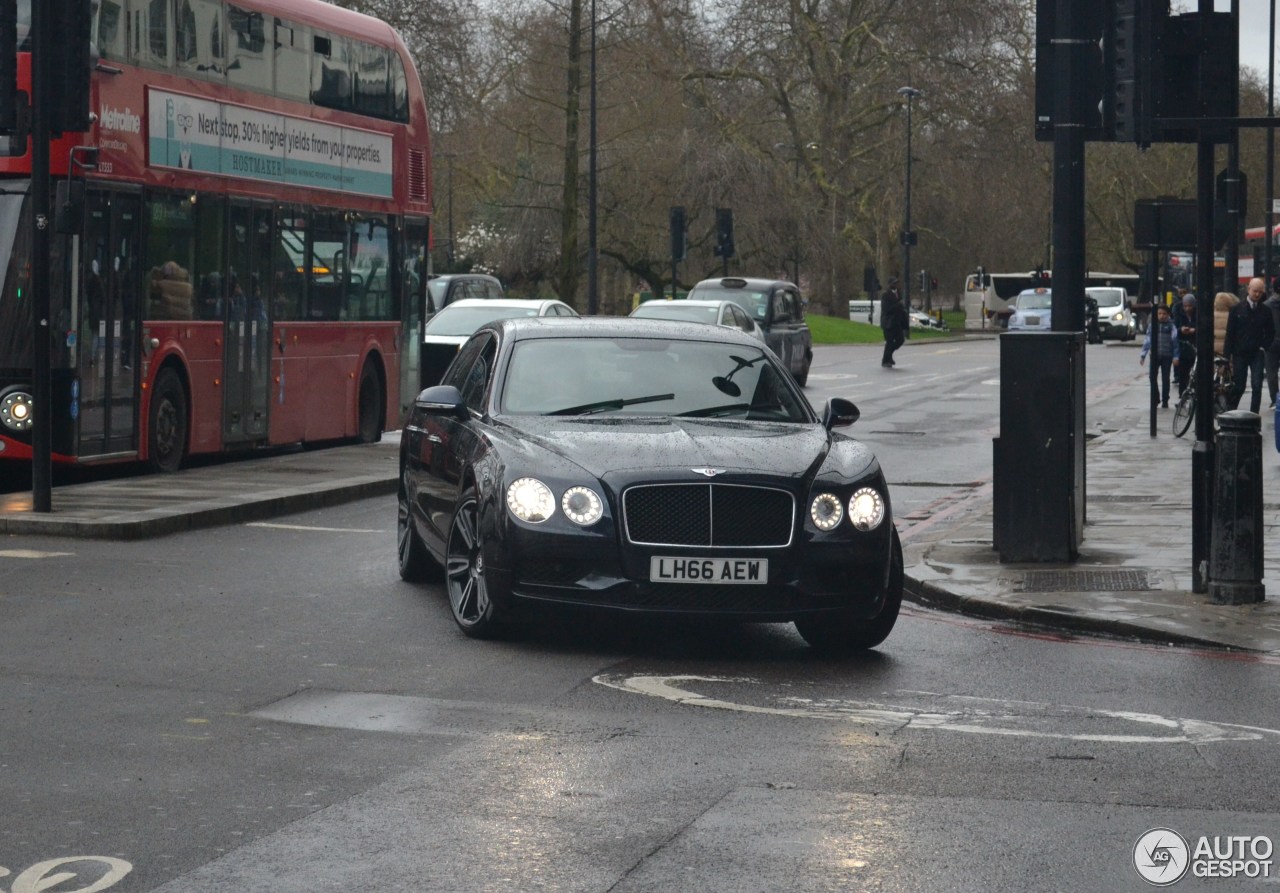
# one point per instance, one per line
(268, 707)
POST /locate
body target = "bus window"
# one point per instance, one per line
(399, 89)
(199, 34)
(108, 29)
(150, 33)
(370, 295)
(331, 71)
(170, 228)
(210, 277)
(249, 65)
(328, 268)
(372, 93)
(289, 265)
(293, 60)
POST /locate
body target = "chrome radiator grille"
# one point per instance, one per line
(726, 515)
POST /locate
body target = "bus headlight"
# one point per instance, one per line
(16, 409)
(866, 509)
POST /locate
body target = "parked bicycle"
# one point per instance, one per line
(1185, 412)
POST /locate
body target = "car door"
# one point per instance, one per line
(455, 441)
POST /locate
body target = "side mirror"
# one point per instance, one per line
(442, 399)
(839, 412)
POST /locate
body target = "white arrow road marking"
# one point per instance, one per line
(952, 713)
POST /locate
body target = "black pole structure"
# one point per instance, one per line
(1231, 254)
(41, 102)
(1271, 150)
(593, 273)
(907, 235)
(1068, 177)
(1202, 464)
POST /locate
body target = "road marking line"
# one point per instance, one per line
(31, 553)
(316, 529)
(951, 713)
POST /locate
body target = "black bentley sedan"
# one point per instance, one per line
(643, 466)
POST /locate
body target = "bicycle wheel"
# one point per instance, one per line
(1185, 412)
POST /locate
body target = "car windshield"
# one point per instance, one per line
(454, 320)
(648, 376)
(438, 289)
(1108, 299)
(1034, 302)
(678, 310)
(756, 303)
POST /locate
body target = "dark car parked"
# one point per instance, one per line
(444, 290)
(643, 466)
(776, 306)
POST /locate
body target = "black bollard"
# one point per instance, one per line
(1235, 540)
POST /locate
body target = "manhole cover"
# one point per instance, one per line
(1085, 581)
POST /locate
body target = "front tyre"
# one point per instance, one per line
(1185, 412)
(844, 634)
(167, 423)
(465, 580)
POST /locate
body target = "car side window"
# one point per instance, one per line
(493, 291)
(726, 316)
(740, 318)
(797, 306)
(781, 308)
(477, 379)
(456, 375)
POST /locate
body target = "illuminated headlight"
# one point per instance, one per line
(530, 500)
(826, 511)
(582, 506)
(866, 509)
(15, 410)
(1119, 317)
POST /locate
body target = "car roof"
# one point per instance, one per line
(731, 283)
(501, 302)
(528, 328)
(686, 302)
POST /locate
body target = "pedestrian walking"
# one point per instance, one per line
(1249, 332)
(1223, 301)
(1272, 303)
(1184, 320)
(893, 321)
(1165, 335)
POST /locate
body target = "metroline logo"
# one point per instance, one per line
(115, 119)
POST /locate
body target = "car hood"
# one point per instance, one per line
(602, 446)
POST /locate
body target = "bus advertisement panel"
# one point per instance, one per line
(246, 265)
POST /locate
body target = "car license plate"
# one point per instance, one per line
(709, 570)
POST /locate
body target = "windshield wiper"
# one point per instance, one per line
(616, 403)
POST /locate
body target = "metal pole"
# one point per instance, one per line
(41, 97)
(453, 251)
(593, 278)
(1231, 256)
(1271, 150)
(910, 93)
(1202, 470)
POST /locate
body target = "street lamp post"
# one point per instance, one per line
(908, 237)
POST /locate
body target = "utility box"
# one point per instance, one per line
(1038, 460)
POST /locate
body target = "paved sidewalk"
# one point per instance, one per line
(1133, 577)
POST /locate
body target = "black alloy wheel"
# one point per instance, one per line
(469, 599)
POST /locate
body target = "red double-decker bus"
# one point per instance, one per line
(247, 267)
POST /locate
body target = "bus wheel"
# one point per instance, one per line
(168, 427)
(370, 406)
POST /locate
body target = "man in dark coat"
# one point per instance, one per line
(1250, 332)
(1184, 320)
(893, 320)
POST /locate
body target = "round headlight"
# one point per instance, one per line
(530, 500)
(15, 410)
(866, 509)
(826, 511)
(582, 506)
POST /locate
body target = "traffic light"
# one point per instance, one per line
(1137, 72)
(679, 234)
(68, 26)
(724, 232)
(8, 66)
(1091, 97)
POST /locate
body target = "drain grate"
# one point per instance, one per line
(1085, 581)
